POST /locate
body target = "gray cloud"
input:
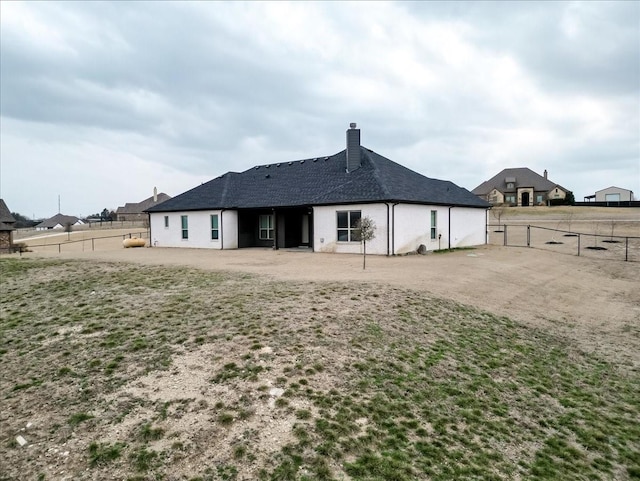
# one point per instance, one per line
(454, 90)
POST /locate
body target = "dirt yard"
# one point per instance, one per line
(309, 365)
(595, 302)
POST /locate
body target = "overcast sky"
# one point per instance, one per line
(102, 102)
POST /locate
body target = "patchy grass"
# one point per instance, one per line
(135, 372)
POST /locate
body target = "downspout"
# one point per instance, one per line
(393, 228)
(221, 231)
(388, 230)
(311, 229)
(149, 222)
(275, 230)
(449, 236)
(486, 226)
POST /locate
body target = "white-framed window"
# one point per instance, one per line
(184, 219)
(347, 221)
(538, 199)
(215, 232)
(510, 199)
(266, 227)
(434, 224)
(166, 221)
(510, 185)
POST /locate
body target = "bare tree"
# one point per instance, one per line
(365, 231)
(613, 228)
(498, 211)
(68, 227)
(568, 219)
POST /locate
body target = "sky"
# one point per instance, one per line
(100, 102)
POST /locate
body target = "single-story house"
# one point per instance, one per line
(6, 228)
(317, 202)
(59, 221)
(613, 194)
(136, 211)
(520, 187)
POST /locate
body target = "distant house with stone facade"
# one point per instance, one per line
(6, 228)
(520, 187)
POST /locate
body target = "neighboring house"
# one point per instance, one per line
(6, 228)
(613, 194)
(316, 203)
(59, 221)
(133, 211)
(520, 187)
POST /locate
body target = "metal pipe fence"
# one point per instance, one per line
(592, 245)
(87, 243)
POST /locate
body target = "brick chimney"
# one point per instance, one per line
(353, 148)
(545, 173)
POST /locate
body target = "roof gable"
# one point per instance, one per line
(520, 177)
(5, 214)
(320, 181)
(136, 208)
(59, 219)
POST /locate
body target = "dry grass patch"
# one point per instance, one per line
(138, 372)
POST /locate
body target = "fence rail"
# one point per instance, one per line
(93, 240)
(595, 245)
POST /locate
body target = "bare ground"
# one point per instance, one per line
(592, 303)
(595, 302)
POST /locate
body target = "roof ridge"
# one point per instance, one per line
(376, 172)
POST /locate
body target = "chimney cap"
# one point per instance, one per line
(352, 125)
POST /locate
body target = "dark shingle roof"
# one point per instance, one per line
(320, 181)
(58, 219)
(5, 214)
(521, 176)
(5, 227)
(136, 208)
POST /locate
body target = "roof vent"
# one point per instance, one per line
(268, 176)
(267, 166)
(278, 165)
(302, 161)
(290, 163)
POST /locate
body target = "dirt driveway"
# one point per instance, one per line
(595, 304)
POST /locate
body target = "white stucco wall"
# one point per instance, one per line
(468, 227)
(325, 229)
(199, 230)
(411, 223)
(411, 227)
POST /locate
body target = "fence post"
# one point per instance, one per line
(505, 234)
(59, 248)
(92, 246)
(578, 245)
(528, 236)
(626, 248)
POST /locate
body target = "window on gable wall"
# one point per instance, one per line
(214, 227)
(166, 221)
(347, 221)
